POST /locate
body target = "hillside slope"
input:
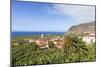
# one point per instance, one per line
(81, 28)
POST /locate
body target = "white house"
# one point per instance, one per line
(31, 41)
(89, 37)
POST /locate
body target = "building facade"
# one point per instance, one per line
(89, 37)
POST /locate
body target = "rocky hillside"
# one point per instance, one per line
(81, 28)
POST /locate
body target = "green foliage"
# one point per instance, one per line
(51, 44)
(75, 51)
(73, 43)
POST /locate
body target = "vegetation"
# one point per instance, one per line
(83, 27)
(75, 50)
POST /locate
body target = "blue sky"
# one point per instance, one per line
(35, 16)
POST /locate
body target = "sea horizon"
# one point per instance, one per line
(30, 33)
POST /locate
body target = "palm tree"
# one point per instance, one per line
(73, 43)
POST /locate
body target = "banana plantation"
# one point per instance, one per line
(74, 50)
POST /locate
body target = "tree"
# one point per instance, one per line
(51, 44)
(73, 43)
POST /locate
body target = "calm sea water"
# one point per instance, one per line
(14, 34)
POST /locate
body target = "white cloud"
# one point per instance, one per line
(79, 13)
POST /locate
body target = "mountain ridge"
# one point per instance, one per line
(83, 27)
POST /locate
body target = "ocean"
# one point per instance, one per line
(15, 34)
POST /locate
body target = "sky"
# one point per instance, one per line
(36, 16)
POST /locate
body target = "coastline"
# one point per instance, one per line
(15, 34)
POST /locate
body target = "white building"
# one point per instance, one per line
(89, 38)
(31, 41)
